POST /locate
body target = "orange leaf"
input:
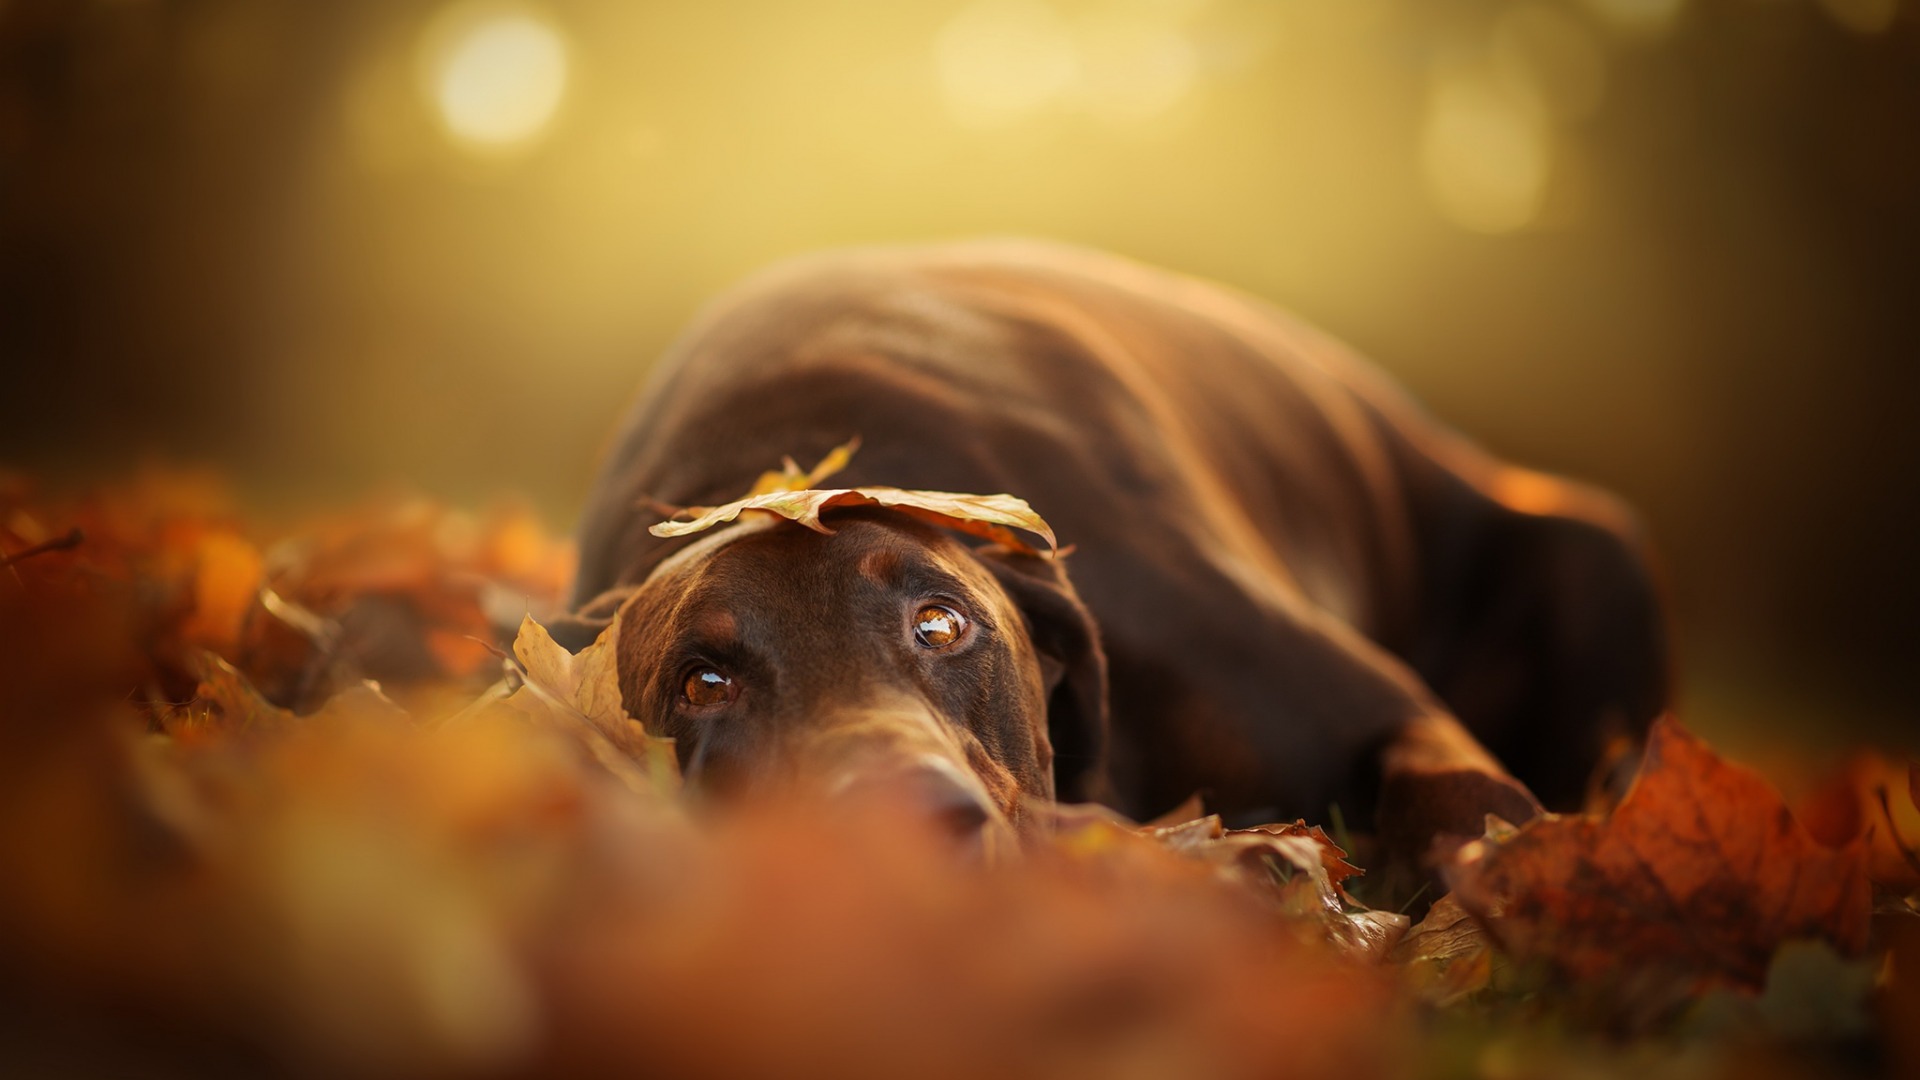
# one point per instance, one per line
(226, 577)
(1701, 870)
(1865, 801)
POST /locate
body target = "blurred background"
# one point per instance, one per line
(1669, 246)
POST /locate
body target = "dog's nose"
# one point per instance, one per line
(935, 793)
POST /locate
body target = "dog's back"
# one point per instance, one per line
(1282, 554)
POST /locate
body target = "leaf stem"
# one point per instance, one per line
(67, 542)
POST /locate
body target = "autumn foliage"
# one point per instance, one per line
(324, 798)
(1701, 870)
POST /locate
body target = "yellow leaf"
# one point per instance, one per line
(579, 694)
(991, 516)
(789, 477)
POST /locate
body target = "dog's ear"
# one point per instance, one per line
(1075, 668)
(578, 629)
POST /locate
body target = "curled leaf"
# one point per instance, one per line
(579, 695)
(993, 517)
(1301, 867)
(789, 477)
(224, 703)
(1447, 955)
(1311, 840)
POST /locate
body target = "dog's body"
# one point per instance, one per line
(1289, 566)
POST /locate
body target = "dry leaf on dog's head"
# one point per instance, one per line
(789, 477)
(793, 494)
(991, 516)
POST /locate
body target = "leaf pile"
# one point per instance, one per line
(404, 591)
(260, 814)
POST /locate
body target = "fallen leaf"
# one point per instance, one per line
(1867, 800)
(224, 703)
(579, 694)
(1446, 933)
(991, 516)
(1701, 871)
(1304, 870)
(1332, 858)
(1188, 835)
(1447, 983)
(1446, 956)
(1297, 869)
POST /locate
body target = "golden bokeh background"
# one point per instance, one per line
(1672, 246)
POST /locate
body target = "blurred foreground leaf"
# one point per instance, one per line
(1701, 872)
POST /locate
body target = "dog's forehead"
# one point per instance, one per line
(705, 547)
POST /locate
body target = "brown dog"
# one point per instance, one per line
(1290, 589)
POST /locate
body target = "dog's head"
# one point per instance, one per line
(884, 655)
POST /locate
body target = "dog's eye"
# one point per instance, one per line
(705, 686)
(937, 626)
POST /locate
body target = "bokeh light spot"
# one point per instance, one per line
(1132, 68)
(495, 74)
(1000, 59)
(1486, 152)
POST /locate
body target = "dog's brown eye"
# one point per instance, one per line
(937, 626)
(706, 686)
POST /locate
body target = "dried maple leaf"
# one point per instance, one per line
(579, 694)
(795, 495)
(991, 516)
(789, 477)
(1701, 871)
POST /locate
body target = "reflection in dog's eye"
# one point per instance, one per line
(937, 626)
(706, 686)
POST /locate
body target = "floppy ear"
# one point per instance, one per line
(577, 630)
(1075, 668)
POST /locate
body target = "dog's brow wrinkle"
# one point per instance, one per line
(881, 566)
(716, 626)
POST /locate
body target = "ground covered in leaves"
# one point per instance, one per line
(324, 798)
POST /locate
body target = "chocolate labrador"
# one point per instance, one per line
(1288, 588)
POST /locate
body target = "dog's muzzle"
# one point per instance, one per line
(901, 762)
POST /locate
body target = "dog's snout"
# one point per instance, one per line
(935, 793)
(953, 805)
